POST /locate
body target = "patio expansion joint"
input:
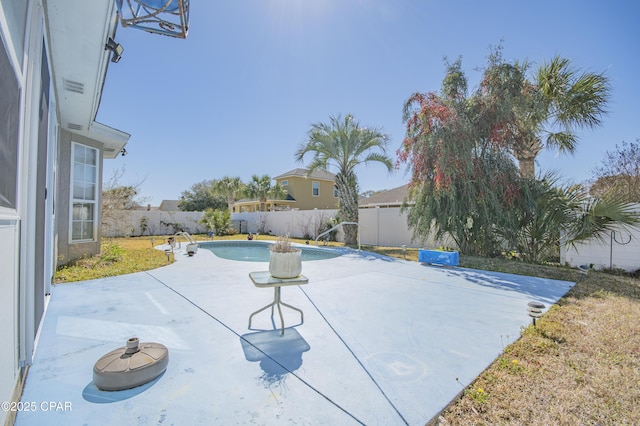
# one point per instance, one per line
(306, 383)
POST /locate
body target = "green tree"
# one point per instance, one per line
(218, 221)
(230, 188)
(552, 214)
(344, 144)
(463, 182)
(595, 218)
(548, 111)
(260, 188)
(542, 217)
(201, 196)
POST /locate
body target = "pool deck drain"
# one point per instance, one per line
(384, 341)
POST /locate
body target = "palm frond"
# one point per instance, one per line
(564, 141)
(600, 216)
(585, 101)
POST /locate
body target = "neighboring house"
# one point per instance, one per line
(392, 198)
(245, 205)
(53, 65)
(310, 191)
(169, 206)
(304, 192)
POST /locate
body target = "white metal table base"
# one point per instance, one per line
(264, 279)
(277, 302)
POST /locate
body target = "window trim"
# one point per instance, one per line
(315, 185)
(72, 201)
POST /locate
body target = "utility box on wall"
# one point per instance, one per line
(437, 257)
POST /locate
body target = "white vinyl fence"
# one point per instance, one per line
(378, 226)
(154, 222)
(619, 250)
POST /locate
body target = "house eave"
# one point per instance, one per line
(114, 140)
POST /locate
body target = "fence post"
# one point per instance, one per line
(377, 225)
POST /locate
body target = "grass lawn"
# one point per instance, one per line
(580, 365)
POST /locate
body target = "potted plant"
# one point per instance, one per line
(285, 260)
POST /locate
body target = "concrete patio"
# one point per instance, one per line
(384, 341)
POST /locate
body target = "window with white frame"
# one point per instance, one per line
(315, 189)
(284, 183)
(84, 192)
(336, 194)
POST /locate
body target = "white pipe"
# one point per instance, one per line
(338, 226)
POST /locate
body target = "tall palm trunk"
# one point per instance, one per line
(527, 167)
(526, 154)
(348, 190)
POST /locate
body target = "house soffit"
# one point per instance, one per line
(77, 33)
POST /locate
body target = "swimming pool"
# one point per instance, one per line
(258, 251)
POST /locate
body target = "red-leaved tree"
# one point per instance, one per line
(464, 183)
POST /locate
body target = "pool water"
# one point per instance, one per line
(258, 251)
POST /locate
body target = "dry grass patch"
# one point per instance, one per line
(580, 365)
(118, 256)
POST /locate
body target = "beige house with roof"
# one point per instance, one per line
(304, 192)
(395, 197)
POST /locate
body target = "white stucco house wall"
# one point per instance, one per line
(53, 64)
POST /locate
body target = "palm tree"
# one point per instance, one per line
(260, 188)
(563, 101)
(229, 187)
(567, 215)
(342, 143)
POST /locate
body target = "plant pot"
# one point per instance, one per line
(192, 248)
(285, 265)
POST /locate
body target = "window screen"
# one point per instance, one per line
(9, 110)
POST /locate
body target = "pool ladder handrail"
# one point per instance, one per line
(186, 236)
(338, 226)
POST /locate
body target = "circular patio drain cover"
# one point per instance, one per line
(132, 365)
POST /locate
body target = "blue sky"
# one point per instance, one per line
(238, 96)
